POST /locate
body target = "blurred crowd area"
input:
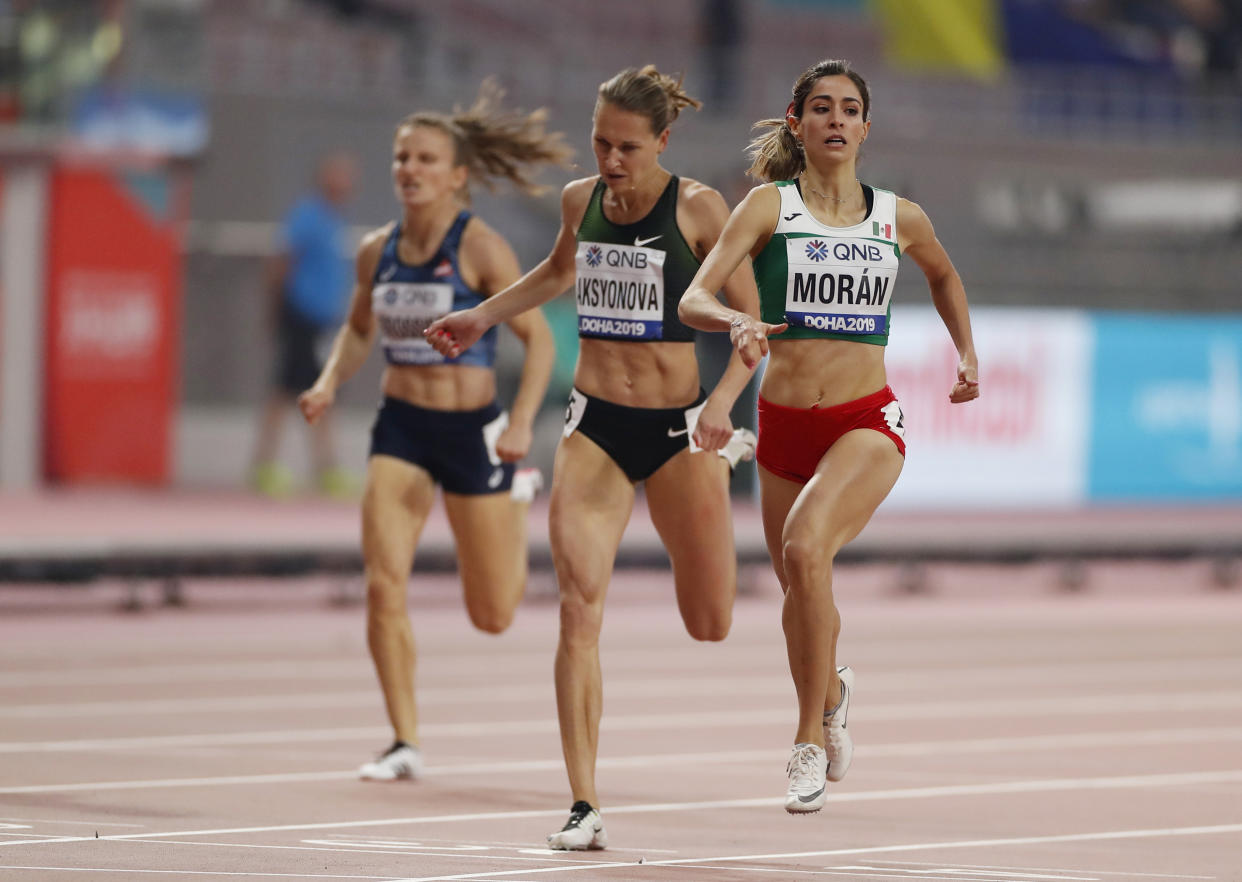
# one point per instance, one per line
(1072, 153)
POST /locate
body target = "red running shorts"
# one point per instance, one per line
(792, 440)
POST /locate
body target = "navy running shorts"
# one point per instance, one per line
(457, 447)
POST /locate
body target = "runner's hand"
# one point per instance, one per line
(967, 386)
(749, 337)
(514, 443)
(714, 428)
(314, 402)
(453, 334)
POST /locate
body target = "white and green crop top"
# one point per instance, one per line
(830, 282)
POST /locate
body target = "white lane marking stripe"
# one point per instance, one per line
(1224, 668)
(1055, 869)
(905, 749)
(623, 688)
(197, 873)
(1224, 776)
(901, 873)
(878, 849)
(1085, 705)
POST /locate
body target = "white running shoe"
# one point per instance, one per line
(807, 767)
(583, 830)
(740, 447)
(526, 484)
(399, 761)
(837, 741)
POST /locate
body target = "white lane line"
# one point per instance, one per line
(1222, 668)
(1039, 785)
(706, 685)
(1057, 869)
(426, 851)
(1086, 705)
(853, 874)
(878, 849)
(29, 821)
(250, 875)
(902, 873)
(1128, 738)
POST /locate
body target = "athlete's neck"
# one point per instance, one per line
(836, 186)
(423, 229)
(632, 203)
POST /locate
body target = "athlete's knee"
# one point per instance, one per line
(805, 559)
(708, 625)
(582, 617)
(491, 618)
(385, 597)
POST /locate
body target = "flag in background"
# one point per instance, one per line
(962, 36)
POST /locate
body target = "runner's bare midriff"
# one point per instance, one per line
(810, 373)
(659, 374)
(441, 387)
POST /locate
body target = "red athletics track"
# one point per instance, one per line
(1004, 731)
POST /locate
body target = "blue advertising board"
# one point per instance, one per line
(1166, 408)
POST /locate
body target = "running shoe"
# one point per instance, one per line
(271, 479)
(807, 765)
(399, 761)
(583, 830)
(526, 484)
(740, 447)
(337, 483)
(837, 741)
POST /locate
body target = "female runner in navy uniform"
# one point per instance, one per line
(632, 238)
(831, 434)
(439, 422)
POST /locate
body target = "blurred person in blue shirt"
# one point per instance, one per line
(308, 283)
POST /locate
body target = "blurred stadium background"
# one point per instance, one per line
(1082, 161)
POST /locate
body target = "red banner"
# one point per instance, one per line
(112, 332)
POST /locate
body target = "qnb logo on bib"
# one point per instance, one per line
(620, 291)
(839, 285)
(403, 310)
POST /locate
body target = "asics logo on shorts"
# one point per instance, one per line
(498, 475)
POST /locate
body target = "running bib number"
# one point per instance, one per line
(403, 310)
(620, 291)
(838, 285)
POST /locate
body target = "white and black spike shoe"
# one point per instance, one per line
(837, 741)
(584, 830)
(401, 761)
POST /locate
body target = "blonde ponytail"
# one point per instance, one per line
(495, 143)
(657, 96)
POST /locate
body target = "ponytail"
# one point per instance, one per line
(495, 143)
(646, 91)
(776, 155)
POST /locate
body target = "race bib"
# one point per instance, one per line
(620, 291)
(839, 285)
(403, 311)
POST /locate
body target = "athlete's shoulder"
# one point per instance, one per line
(371, 248)
(372, 242)
(483, 247)
(479, 232)
(764, 197)
(909, 212)
(699, 199)
(580, 189)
